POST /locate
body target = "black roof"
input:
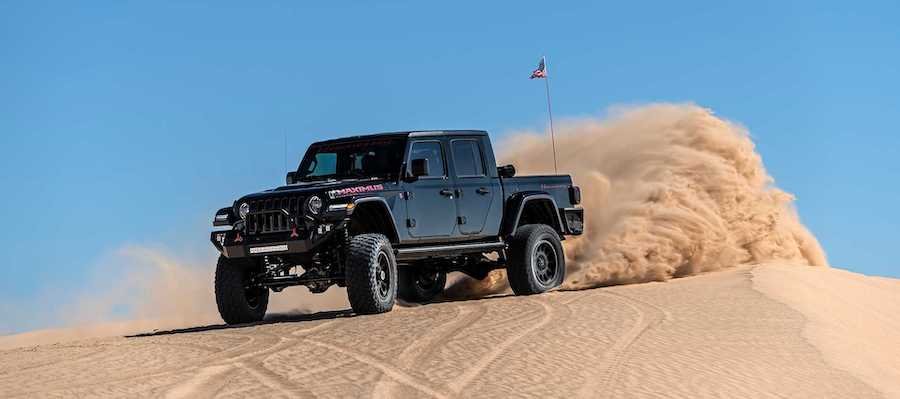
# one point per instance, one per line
(411, 133)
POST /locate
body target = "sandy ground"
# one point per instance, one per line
(765, 331)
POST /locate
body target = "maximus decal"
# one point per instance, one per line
(349, 191)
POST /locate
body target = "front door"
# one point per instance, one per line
(476, 190)
(430, 207)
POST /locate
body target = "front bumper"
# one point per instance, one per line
(234, 244)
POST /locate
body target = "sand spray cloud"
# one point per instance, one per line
(669, 190)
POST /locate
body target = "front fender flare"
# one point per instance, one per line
(393, 235)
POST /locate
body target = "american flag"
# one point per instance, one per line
(540, 72)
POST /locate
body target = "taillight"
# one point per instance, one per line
(575, 195)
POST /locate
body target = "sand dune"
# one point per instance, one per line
(750, 331)
(853, 319)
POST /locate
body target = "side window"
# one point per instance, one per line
(430, 150)
(467, 158)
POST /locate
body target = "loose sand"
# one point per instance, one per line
(763, 331)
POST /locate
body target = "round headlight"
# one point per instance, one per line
(314, 204)
(244, 210)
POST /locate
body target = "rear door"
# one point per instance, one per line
(430, 206)
(475, 190)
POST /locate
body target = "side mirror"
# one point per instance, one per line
(418, 167)
(291, 178)
(506, 171)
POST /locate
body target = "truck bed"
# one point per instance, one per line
(556, 185)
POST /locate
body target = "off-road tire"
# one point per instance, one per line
(237, 304)
(371, 274)
(419, 284)
(531, 245)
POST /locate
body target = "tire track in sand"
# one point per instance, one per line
(435, 343)
(393, 372)
(194, 385)
(617, 355)
(463, 380)
(276, 382)
(194, 364)
(204, 366)
(424, 348)
(86, 357)
(188, 366)
(138, 374)
(203, 377)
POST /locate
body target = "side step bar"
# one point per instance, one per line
(440, 250)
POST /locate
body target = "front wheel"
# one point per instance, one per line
(237, 302)
(536, 260)
(371, 274)
(418, 284)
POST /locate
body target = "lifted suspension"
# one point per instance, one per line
(320, 273)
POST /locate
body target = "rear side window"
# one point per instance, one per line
(467, 158)
(430, 150)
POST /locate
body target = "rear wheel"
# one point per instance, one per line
(371, 274)
(236, 302)
(536, 261)
(419, 284)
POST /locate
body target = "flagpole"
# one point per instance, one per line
(550, 113)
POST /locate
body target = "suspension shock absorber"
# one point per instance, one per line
(340, 252)
(345, 246)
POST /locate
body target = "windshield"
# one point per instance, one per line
(375, 158)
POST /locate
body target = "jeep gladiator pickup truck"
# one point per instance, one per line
(389, 215)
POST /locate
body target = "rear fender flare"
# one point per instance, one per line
(516, 205)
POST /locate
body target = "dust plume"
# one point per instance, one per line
(140, 289)
(142, 283)
(669, 190)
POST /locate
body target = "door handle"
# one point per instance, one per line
(483, 191)
(447, 192)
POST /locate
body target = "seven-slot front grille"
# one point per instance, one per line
(272, 215)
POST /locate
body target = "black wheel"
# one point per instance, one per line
(237, 303)
(419, 284)
(371, 273)
(536, 261)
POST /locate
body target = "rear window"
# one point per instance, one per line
(467, 158)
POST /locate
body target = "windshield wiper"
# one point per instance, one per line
(316, 178)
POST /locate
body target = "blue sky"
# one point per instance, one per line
(130, 123)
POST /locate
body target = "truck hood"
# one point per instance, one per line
(326, 189)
